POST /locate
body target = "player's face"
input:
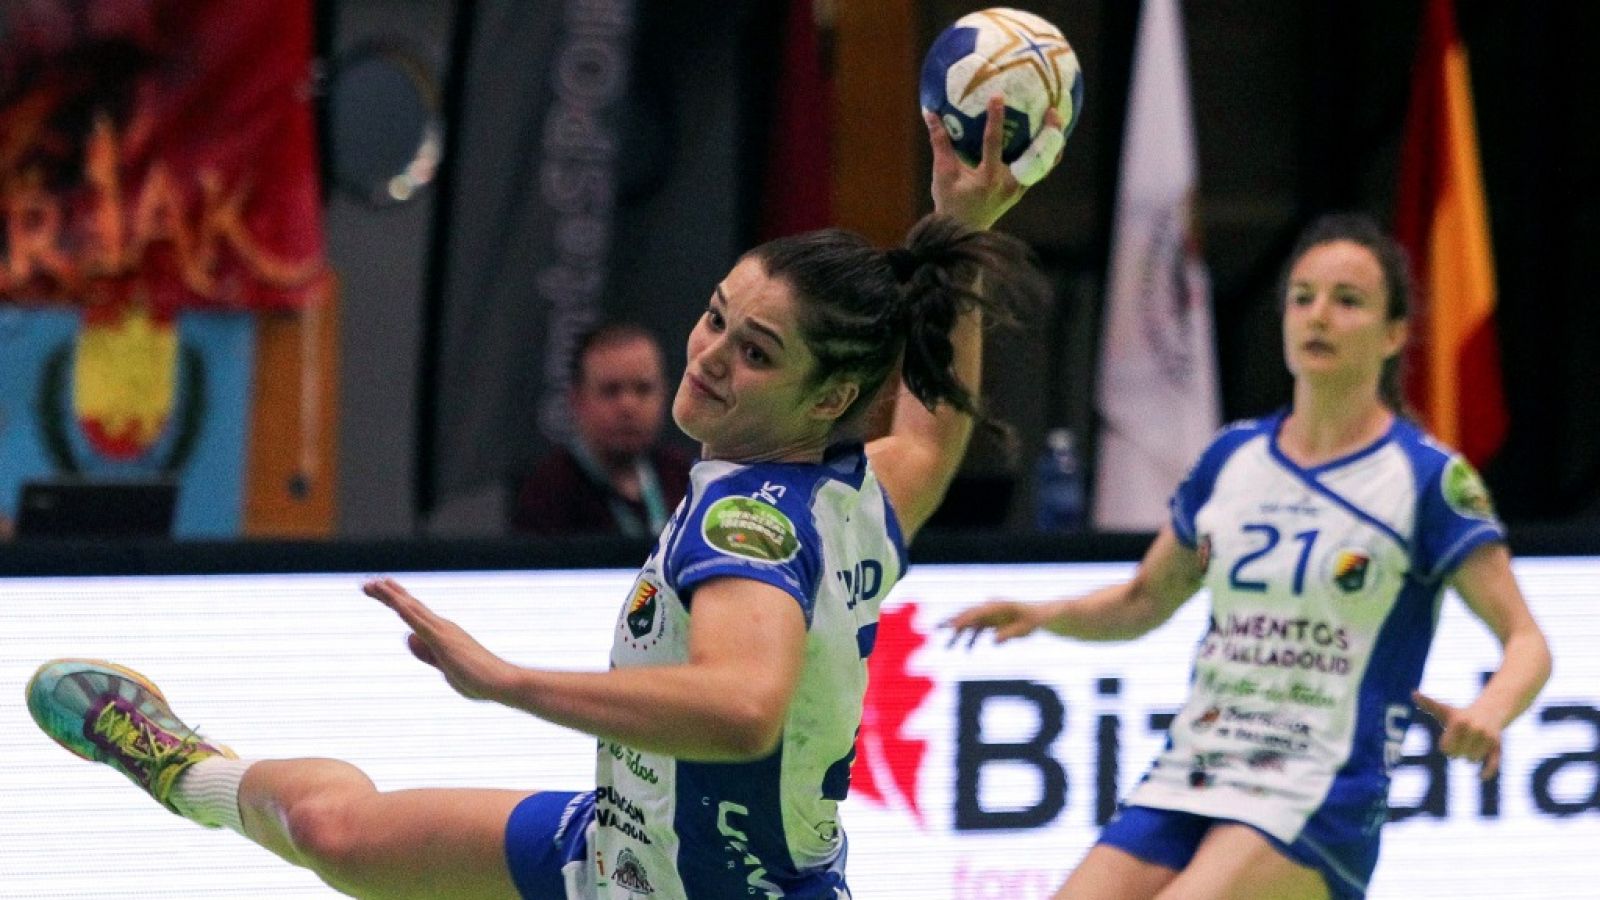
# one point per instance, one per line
(747, 391)
(1336, 326)
(619, 402)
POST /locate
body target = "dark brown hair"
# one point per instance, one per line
(862, 310)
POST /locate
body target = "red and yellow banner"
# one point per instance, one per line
(158, 153)
(158, 183)
(1453, 380)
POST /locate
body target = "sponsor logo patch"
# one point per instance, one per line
(1270, 760)
(630, 874)
(1464, 490)
(749, 528)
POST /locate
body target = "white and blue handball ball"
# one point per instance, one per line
(1007, 51)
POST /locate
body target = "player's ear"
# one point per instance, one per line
(833, 399)
(1398, 333)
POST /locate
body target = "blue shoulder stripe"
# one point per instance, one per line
(1202, 479)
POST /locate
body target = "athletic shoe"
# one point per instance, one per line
(106, 713)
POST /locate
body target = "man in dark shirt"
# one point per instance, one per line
(613, 477)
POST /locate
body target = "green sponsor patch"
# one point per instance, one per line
(745, 527)
(1465, 491)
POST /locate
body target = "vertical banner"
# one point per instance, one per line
(798, 180)
(1442, 219)
(526, 230)
(157, 188)
(1157, 390)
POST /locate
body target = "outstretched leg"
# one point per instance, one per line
(327, 816)
(321, 814)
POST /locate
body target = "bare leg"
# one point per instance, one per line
(1110, 873)
(327, 816)
(1234, 862)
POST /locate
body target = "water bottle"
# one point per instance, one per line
(1058, 485)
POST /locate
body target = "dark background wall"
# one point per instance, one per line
(1299, 109)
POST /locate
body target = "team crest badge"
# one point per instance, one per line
(642, 616)
(1350, 570)
(1353, 570)
(642, 608)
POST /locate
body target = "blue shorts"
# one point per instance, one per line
(1170, 838)
(547, 834)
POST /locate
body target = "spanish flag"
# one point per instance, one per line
(1453, 364)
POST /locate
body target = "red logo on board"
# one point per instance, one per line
(887, 762)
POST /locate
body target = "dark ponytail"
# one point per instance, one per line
(862, 310)
(959, 269)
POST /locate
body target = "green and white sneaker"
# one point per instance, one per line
(106, 713)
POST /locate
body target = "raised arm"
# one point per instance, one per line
(1484, 580)
(918, 457)
(727, 703)
(1169, 574)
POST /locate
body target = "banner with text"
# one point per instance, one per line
(158, 182)
(983, 774)
(526, 240)
(158, 153)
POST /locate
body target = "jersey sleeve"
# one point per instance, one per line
(747, 526)
(1454, 517)
(1195, 489)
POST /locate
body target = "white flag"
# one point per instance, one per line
(1157, 392)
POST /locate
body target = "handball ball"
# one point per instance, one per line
(1004, 51)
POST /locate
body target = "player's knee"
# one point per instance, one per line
(328, 835)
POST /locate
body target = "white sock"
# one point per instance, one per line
(208, 792)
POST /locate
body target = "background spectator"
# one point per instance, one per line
(614, 477)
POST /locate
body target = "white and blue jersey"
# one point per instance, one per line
(1325, 585)
(667, 828)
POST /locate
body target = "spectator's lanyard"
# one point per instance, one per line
(622, 512)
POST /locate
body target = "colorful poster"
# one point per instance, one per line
(158, 184)
(129, 400)
(160, 153)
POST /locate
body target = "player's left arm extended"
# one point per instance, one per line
(1485, 581)
(726, 703)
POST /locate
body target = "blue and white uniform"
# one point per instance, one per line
(665, 828)
(1325, 585)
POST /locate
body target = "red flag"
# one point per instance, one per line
(798, 181)
(1453, 379)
